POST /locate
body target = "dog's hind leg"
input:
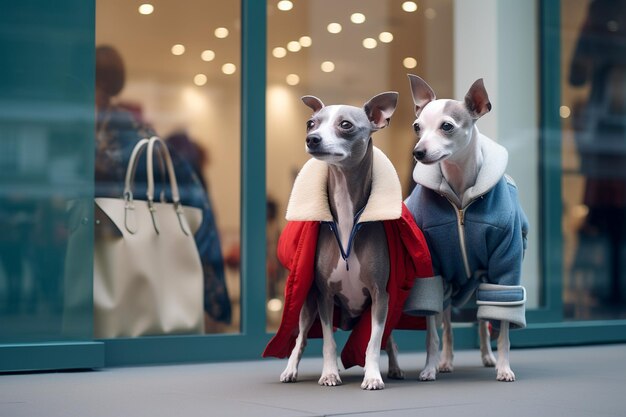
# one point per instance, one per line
(330, 371)
(503, 367)
(307, 317)
(447, 350)
(373, 380)
(429, 373)
(394, 371)
(486, 354)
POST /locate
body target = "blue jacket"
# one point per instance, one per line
(478, 238)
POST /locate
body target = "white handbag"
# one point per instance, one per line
(147, 272)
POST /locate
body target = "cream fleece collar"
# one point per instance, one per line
(309, 196)
(495, 160)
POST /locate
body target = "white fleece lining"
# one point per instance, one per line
(309, 196)
(495, 160)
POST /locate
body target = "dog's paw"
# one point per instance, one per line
(446, 366)
(489, 360)
(395, 373)
(505, 374)
(373, 384)
(289, 375)
(330, 380)
(428, 374)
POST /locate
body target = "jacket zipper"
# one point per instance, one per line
(460, 217)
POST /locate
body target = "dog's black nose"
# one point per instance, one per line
(313, 141)
(418, 155)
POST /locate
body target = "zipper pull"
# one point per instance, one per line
(462, 216)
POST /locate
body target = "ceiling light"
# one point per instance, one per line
(221, 33)
(334, 28)
(385, 37)
(328, 66)
(199, 80)
(357, 18)
(178, 49)
(306, 41)
(409, 6)
(146, 9)
(294, 46)
(285, 5)
(564, 112)
(279, 52)
(229, 68)
(430, 13)
(293, 79)
(207, 55)
(369, 43)
(409, 62)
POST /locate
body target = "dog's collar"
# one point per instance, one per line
(309, 196)
(495, 160)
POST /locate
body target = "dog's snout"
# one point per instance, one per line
(419, 154)
(313, 141)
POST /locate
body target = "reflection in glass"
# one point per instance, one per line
(170, 73)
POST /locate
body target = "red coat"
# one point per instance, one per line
(409, 259)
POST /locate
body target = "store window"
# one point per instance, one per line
(172, 69)
(593, 114)
(346, 52)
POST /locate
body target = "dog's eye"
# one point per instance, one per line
(416, 127)
(346, 125)
(310, 124)
(446, 127)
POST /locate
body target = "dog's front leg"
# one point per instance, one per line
(503, 367)
(486, 354)
(447, 350)
(429, 373)
(373, 380)
(307, 316)
(330, 371)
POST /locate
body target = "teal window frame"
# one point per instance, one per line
(546, 325)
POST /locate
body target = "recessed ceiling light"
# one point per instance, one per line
(430, 13)
(328, 66)
(306, 41)
(285, 5)
(207, 55)
(229, 68)
(279, 52)
(178, 49)
(409, 6)
(357, 18)
(146, 9)
(409, 62)
(294, 46)
(369, 43)
(385, 37)
(564, 112)
(199, 80)
(221, 33)
(293, 79)
(334, 28)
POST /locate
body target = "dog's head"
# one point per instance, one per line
(340, 134)
(443, 127)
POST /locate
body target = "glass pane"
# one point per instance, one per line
(46, 166)
(347, 52)
(593, 60)
(172, 69)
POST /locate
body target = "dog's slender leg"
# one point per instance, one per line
(503, 367)
(330, 371)
(394, 372)
(447, 350)
(307, 316)
(429, 373)
(486, 354)
(373, 380)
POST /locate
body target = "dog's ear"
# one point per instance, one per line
(313, 102)
(477, 100)
(380, 108)
(422, 93)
